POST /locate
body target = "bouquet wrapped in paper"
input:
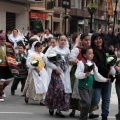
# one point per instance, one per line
(54, 57)
(37, 63)
(89, 66)
(24, 58)
(110, 61)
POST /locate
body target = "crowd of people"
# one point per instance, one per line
(62, 73)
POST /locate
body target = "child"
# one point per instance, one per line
(37, 81)
(86, 80)
(117, 83)
(53, 45)
(21, 61)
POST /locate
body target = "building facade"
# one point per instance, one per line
(53, 11)
(81, 17)
(14, 14)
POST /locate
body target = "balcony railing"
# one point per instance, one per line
(99, 14)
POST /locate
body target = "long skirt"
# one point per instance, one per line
(29, 89)
(74, 100)
(56, 98)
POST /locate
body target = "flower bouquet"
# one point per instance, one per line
(24, 58)
(35, 63)
(89, 66)
(110, 61)
(54, 57)
(1, 61)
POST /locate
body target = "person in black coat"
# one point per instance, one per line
(110, 39)
(101, 90)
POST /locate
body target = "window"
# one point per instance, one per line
(72, 3)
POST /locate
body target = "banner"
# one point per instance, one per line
(37, 15)
(110, 7)
(37, 26)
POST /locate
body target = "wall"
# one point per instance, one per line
(21, 15)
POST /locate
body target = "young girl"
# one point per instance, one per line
(57, 96)
(53, 41)
(37, 81)
(86, 80)
(53, 45)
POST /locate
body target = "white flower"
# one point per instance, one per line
(110, 59)
(34, 61)
(89, 63)
(0, 61)
(52, 55)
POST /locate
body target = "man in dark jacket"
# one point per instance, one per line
(110, 40)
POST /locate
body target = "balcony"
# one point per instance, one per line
(99, 14)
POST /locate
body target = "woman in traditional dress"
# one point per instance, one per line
(14, 38)
(75, 56)
(59, 89)
(53, 45)
(37, 81)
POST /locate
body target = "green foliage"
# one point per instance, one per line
(92, 6)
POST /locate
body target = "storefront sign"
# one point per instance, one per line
(37, 15)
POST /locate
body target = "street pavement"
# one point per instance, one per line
(14, 108)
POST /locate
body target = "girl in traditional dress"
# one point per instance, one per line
(53, 45)
(75, 56)
(37, 81)
(57, 96)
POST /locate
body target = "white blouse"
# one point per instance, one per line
(79, 74)
(65, 76)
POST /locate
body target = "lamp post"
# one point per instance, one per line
(50, 14)
(65, 5)
(115, 13)
(92, 7)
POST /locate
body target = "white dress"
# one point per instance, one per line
(65, 76)
(36, 84)
(49, 70)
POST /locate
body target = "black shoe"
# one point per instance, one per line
(51, 112)
(92, 116)
(42, 104)
(117, 116)
(12, 92)
(26, 99)
(104, 117)
(72, 114)
(59, 114)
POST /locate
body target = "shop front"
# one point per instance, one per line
(37, 20)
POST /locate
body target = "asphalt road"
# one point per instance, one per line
(14, 108)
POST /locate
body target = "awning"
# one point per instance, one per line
(100, 22)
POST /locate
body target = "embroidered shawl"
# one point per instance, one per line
(11, 59)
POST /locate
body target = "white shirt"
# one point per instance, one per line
(79, 74)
